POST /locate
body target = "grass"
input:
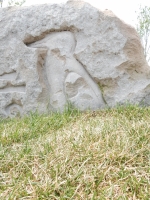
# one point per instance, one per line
(90, 155)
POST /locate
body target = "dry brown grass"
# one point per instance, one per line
(93, 155)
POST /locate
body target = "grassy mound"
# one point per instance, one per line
(90, 156)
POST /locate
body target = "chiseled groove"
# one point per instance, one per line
(9, 87)
(13, 89)
(8, 76)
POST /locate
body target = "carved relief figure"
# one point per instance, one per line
(67, 78)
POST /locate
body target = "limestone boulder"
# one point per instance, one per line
(54, 54)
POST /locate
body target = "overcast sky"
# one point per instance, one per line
(124, 9)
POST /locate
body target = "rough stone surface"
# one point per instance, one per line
(54, 54)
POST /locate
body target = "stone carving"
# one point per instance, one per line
(67, 78)
(73, 52)
(10, 88)
(8, 84)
